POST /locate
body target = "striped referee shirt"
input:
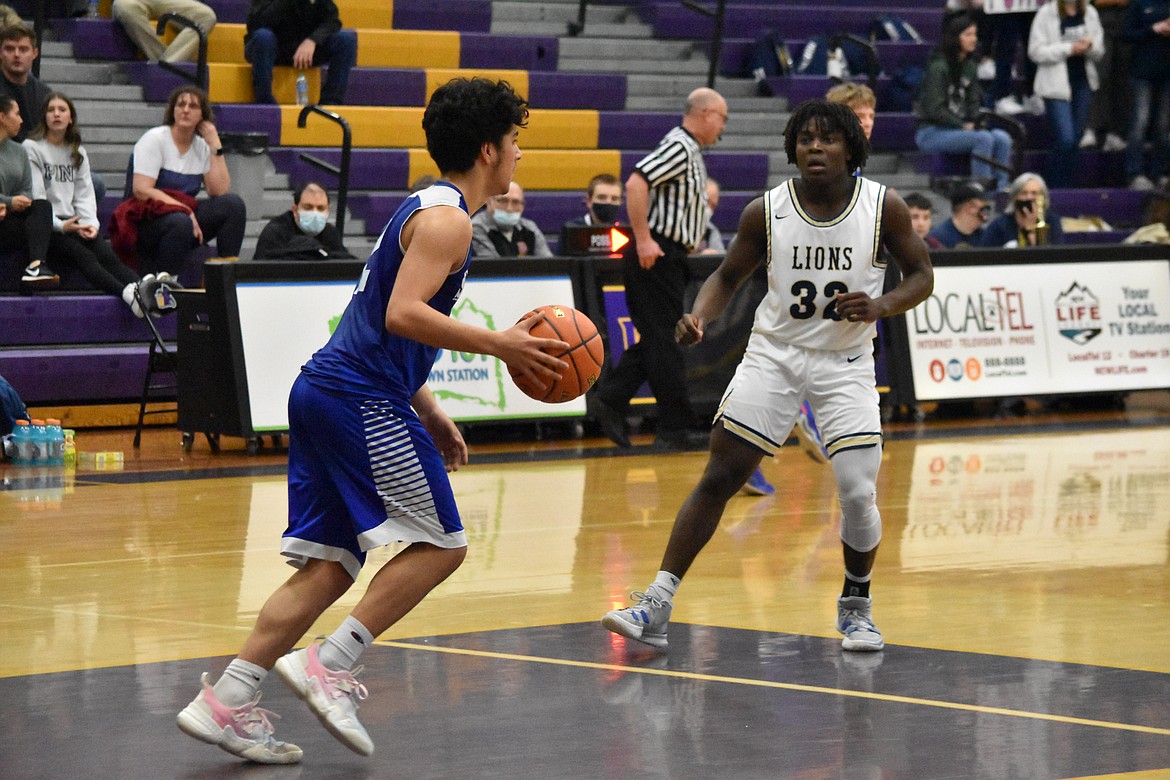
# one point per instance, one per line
(677, 178)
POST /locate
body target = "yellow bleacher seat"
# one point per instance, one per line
(543, 169)
(366, 13)
(376, 48)
(231, 83)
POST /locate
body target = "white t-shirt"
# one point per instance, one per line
(156, 156)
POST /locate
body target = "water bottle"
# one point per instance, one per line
(302, 90)
(55, 442)
(40, 443)
(22, 442)
(93, 11)
(69, 450)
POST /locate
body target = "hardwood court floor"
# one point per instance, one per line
(1022, 587)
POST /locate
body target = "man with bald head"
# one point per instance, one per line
(666, 203)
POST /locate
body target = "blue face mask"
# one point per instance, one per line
(506, 219)
(311, 222)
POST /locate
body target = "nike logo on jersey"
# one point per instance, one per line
(781, 216)
(850, 360)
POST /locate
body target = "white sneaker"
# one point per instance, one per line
(1034, 104)
(1008, 106)
(1141, 183)
(243, 731)
(333, 696)
(1113, 143)
(645, 622)
(855, 621)
(1088, 140)
(986, 69)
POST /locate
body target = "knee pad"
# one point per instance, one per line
(856, 472)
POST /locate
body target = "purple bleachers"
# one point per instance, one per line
(1095, 237)
(369, 169)
(460, 15)
(76, 374)
(506, 51)
(799, 22)
(892, 55)
(92, 319)
(1118, 207)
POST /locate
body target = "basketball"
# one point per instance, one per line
(584, 355)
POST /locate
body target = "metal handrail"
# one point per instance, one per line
(201, 78)
(342, 172)
(578, 27)
(716, 35)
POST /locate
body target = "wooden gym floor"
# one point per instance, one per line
(1023, 587)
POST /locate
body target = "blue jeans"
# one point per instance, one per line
(1067, 119)
(339, 51)
(1149, 99)
(994, 144)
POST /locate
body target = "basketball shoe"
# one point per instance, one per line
(243, 731)
(333, 696)
(757, 485)
(645, 622)
(855, 621)
(810, 435)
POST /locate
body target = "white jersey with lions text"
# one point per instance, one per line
(811, 261)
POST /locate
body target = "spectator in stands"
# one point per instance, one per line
(301, 33)
(303, 232)
(500, 229)
(861, 101)
(1066, 42)
(922, 217)
(603, 201)
(1028, 219)
(172, 162)
(712, 243)
(1009, 37)
(25, 223)
(1112, 103)
(970, 210)
(1155, 227)
(949, 103)
(1147, 27)
(60, 175)
(18, 51)
(139, 19)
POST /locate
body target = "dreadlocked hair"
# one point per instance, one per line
(829, 118)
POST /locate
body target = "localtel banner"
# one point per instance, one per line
(1042, 329)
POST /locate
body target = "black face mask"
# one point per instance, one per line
(606, 213)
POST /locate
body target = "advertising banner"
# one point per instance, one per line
(1042, 329)
(283, 323)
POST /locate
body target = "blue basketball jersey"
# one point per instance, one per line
(362, 359)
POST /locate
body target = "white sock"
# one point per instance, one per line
(240, 683)
(342, 648)
(664, 587)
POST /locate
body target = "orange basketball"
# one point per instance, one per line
(584, 355)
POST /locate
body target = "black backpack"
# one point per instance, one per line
(768, 56)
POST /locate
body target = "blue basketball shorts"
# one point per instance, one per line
(362, 474)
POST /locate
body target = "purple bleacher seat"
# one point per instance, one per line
(1118, 207)
(1093, 168)
(37, 320)
(893, 132)
(250, 118)
(733, 170)
(386, 87)
(1081, 237)
(230, 11)
(600, 91)
(156, 83)
(96, 39)
(76, 374)
(674, 20)
(634, 130)
(478, 50)
(892, 55)
(458, 15)
(375, 169)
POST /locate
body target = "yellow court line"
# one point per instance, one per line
(785, 686)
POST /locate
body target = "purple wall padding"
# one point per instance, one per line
(457, 15)
(368, 168)
(601, 91)
(505, 51)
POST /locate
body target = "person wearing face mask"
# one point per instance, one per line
(603, 203)
(501, 230)
(1028, 219)
(303, 232)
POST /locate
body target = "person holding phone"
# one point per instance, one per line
(172, 162)
(1028, 219)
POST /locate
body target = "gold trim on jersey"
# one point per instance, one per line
(853, 441)
(816, 222)
(768, 228)
(878, 260)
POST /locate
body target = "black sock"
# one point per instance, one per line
(854, 588)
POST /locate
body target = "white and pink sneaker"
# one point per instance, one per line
(243, 731)
(333, 696)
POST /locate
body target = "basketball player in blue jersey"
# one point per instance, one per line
(820, 236)
(369, 447)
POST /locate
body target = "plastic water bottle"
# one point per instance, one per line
(93, 11)
(40, 442)
(54, 442)
(22, 442)
(69, 451)
(302, 90)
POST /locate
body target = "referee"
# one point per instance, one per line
(666, 202)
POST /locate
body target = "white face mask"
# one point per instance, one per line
(312, 222)
(506, 219)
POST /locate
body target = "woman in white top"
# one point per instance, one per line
(61, 175)
(185, 154)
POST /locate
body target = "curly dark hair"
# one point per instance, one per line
(464, 114)
(829, 118)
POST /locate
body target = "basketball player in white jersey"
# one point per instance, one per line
(820, 236)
